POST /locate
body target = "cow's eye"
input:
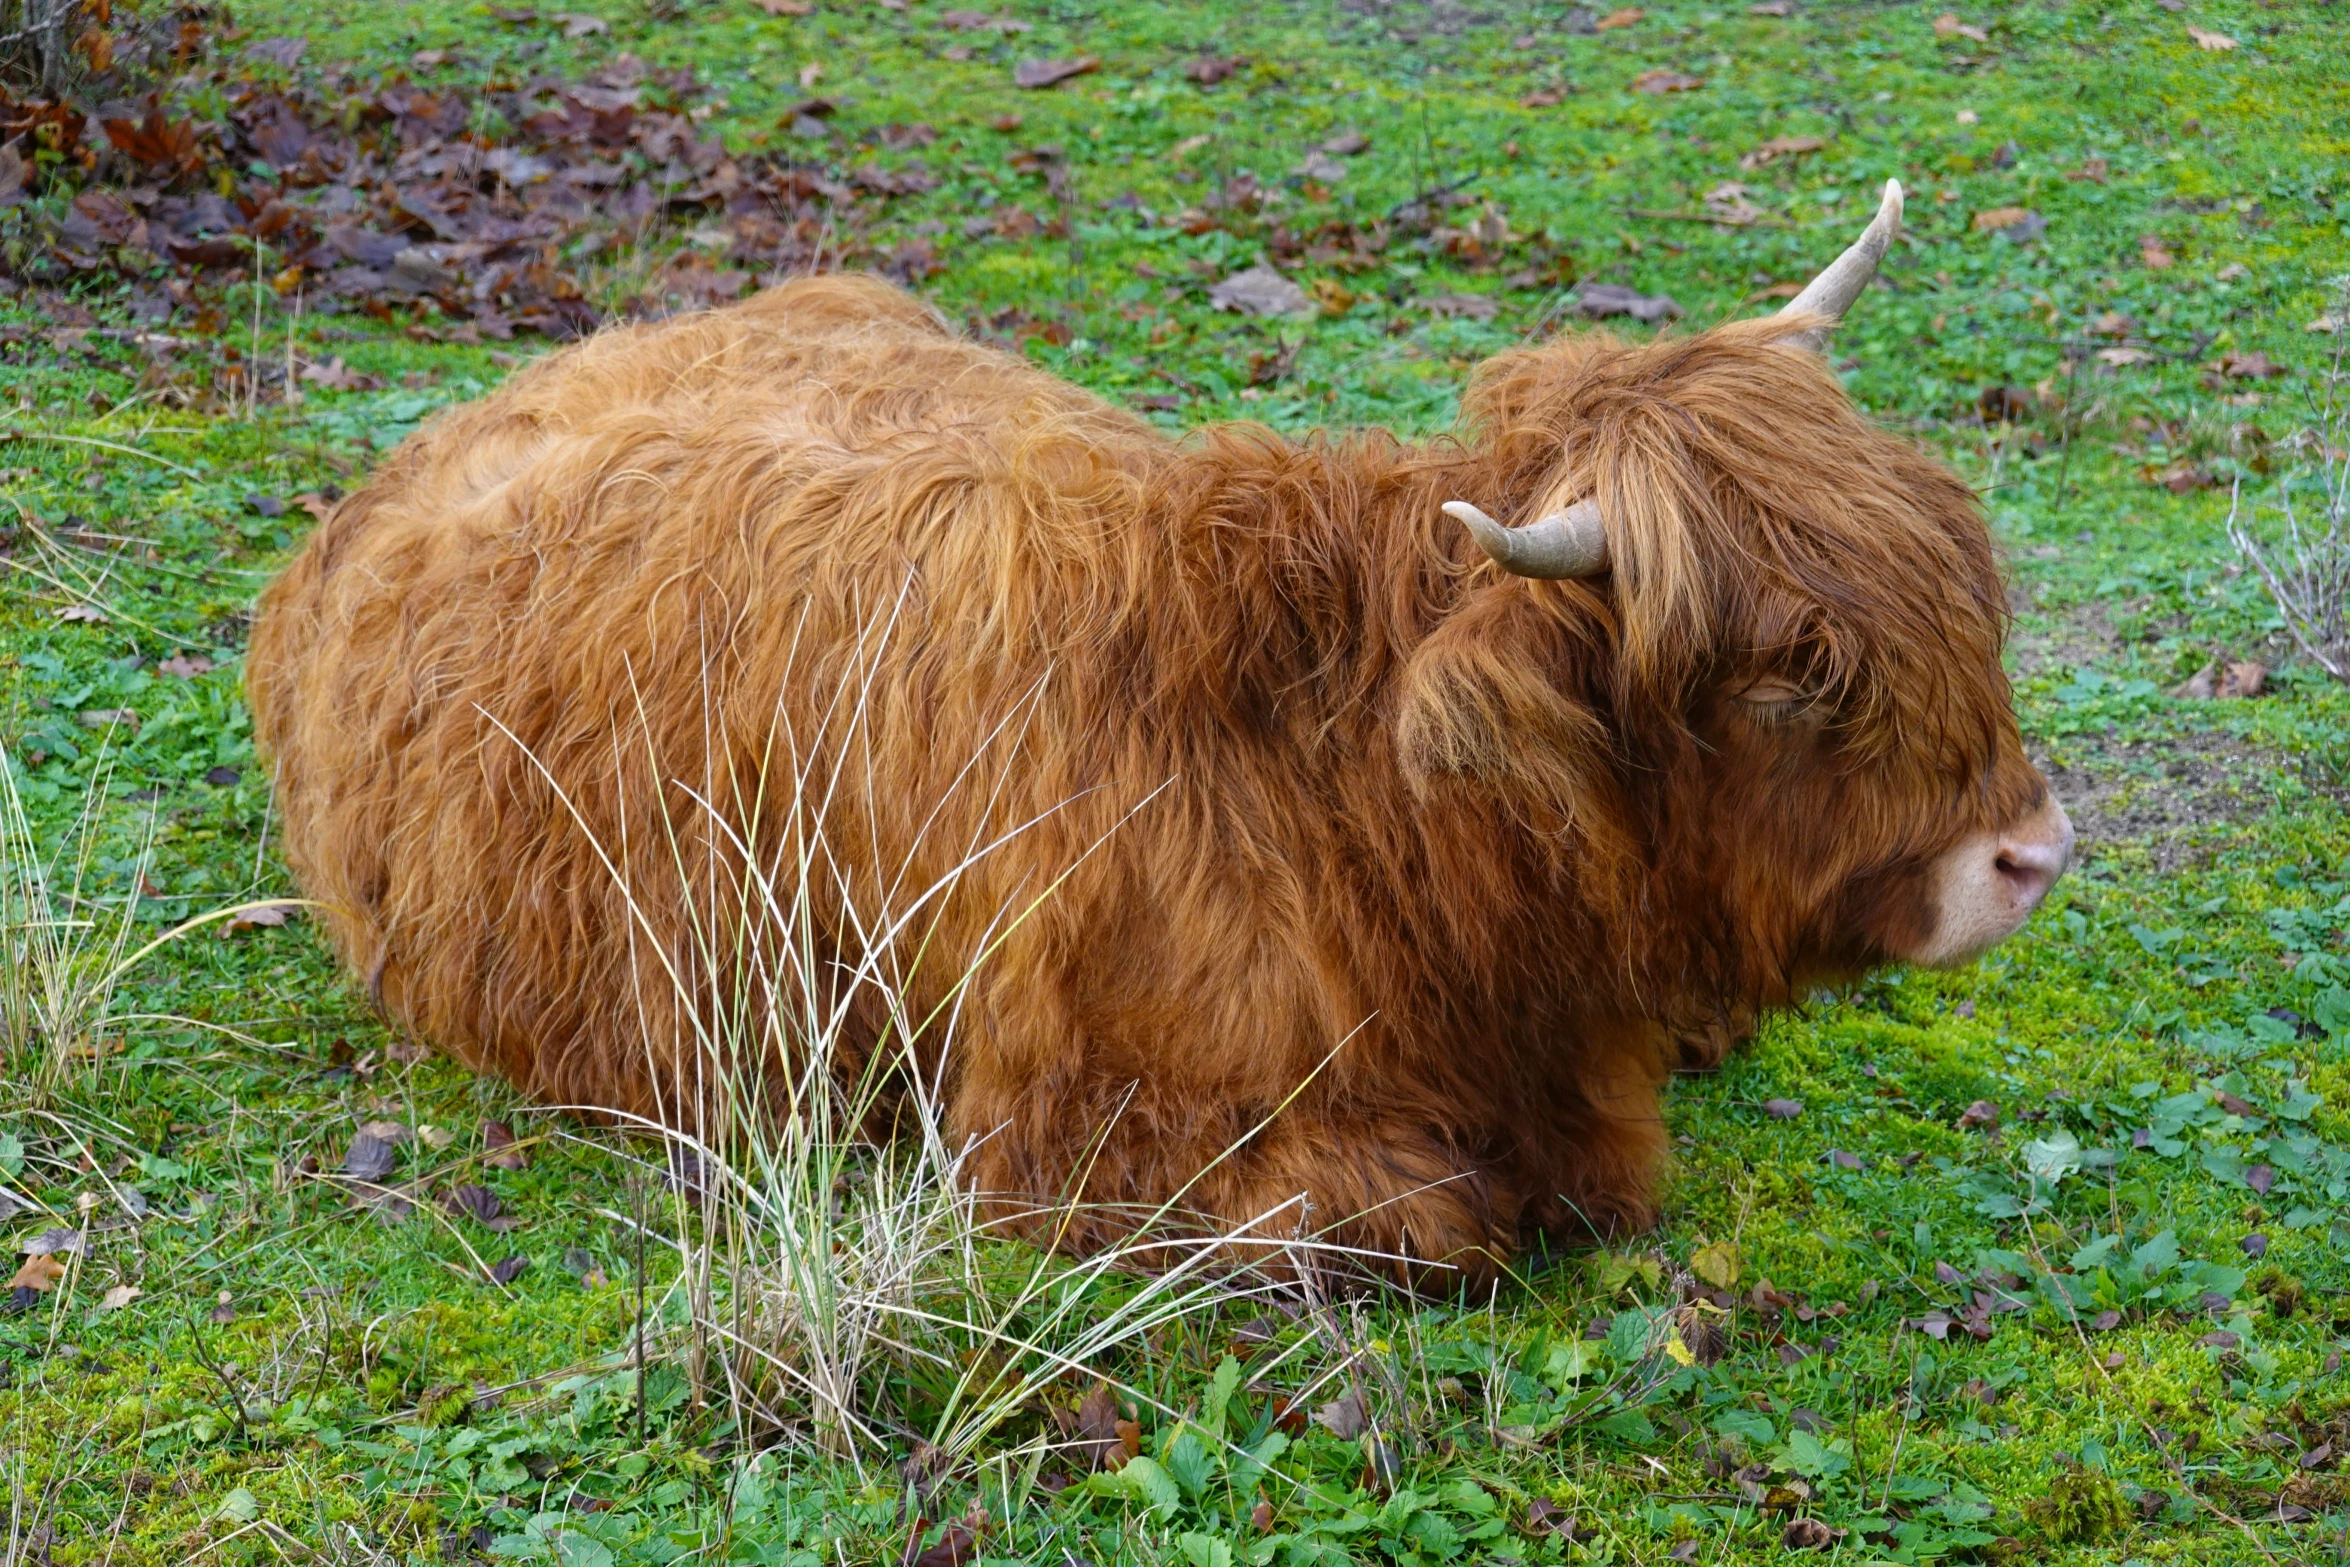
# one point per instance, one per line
(1773, 699)
(1771, 691)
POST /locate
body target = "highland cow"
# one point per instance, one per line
(1341, 843)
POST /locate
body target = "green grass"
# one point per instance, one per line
(298, 1381)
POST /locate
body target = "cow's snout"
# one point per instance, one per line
(2031, 860)
(1985, 888)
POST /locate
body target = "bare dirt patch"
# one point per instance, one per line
(2172, 796)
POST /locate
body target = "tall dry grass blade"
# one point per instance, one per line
(830, 1243)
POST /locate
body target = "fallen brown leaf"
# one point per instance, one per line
(1037, 74)
(369, 1158)
(2254, 366)
(478, 1203)
(1092, 1428)
(1210, 69)
(1781, 147)
(2246, 679)
(1948, 26)
(2206, 39)
(1808, 1534)
(1344, 1418)
(504, 1153)
(1661, 80)
(39, 1274)
(1624, 18)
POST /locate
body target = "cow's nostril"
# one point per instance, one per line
(2030, 869)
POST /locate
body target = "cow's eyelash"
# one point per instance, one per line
(1770, 691)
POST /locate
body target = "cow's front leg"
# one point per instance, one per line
(1599, 1147)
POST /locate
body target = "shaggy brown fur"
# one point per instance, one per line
(1296, 765)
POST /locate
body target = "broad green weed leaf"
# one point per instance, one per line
(1186, 1458)
(2052, 1158)
(1814, 1459)
(1219, 1396)
(2155, 1257)
(1142, 1479)
(1204, 1550)
(2097, 1253)
(1570, 1362)
(1629, 1426)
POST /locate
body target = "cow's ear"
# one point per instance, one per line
(1501, 695)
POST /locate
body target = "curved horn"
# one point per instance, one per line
(1833, 291)
(1570, 543)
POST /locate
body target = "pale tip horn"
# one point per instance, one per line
(1570, 543)
(1831, 293)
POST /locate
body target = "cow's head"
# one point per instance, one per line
(1757, 665)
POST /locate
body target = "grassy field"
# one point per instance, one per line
(2048, 1259)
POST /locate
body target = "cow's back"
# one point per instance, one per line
(467, 678)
